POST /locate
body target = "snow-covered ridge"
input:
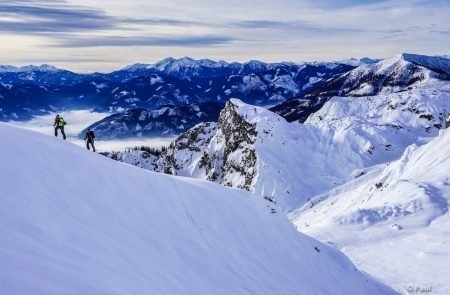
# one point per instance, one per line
(392, 75)
(252, 64)
(396, 74)
(78, 222)
(193, 66)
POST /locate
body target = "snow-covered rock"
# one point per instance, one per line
(75, 222)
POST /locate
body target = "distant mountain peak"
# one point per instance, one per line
(356, 62)
(136, 66)
(29, 68)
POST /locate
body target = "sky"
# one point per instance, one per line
(105, 35)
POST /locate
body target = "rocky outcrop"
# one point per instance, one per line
(222, 152)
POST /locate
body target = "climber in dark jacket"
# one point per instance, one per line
(89, 137)
(59, 124)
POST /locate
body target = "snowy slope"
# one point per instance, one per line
(393, 221)
(74, 222)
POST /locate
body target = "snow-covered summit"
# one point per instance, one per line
(74, 221)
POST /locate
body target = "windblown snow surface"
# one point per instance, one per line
(394, 220)
(74, 222)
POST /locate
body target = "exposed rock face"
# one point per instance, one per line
(233, 149)
(184, 155)
(222, 152)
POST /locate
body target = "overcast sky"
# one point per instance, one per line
(102, 35)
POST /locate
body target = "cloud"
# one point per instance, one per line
(119, 41)
(343, 3)
(64, 23)
(33, 17)
(442, 32)
(159, 21)
(263, 24)
(295, 25)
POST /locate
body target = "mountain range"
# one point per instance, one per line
(36, 90)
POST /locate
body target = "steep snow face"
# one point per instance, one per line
(73, 221)
(288, 163)
(393, 220)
